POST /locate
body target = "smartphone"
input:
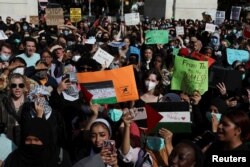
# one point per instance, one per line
(66, 76)
(206, 138)
(140, 113)
(110, 145)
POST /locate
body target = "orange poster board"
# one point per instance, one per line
(123, 80)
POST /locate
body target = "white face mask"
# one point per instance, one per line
(18, 70)
(4, 57)
(150, 85)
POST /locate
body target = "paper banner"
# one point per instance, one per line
(234, 54)
(156, 37)
(190, 75)
(121, 81)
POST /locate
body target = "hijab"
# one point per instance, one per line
(31, 155)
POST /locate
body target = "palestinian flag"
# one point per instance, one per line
(103, 92)
(110, 86)
(175, 116)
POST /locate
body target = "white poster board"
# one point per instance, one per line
(220, 17)
(132, 19)
(210, 27)
(180, 30)
(103, 57)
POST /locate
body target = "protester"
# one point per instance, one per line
(55, 73)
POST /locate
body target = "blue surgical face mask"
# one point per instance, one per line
(214, 41)
(115, 114)
(209, 116)
(155, 143)
(4, 57)
(234, 31)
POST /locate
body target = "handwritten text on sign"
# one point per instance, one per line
(183, 117)
(54, 16)
(103, 57)
(190, 75)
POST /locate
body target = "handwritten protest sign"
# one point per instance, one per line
(75, 14)
(235, 13)
(220, 17)
(156, 37)
(54, 16)
(179, 30)
(210, 27)
(190, 75)
(234, 54)
(103, 57)
(110, 86)
(132, 19)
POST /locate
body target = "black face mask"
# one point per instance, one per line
(33, 149)
(41, 74)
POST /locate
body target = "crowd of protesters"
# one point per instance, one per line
(46, 121)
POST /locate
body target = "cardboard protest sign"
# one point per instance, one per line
(110, 86)
(202, 57)
(2, 35)
(234, 54)
(210, 27)
(75, 14)
(235, 13)
(156, 37)
(231, 78)
(132, 19)
(54, 16)
(220, 17)
(190, 75)
(246, 31)
(34, 20)
(103, 57)
(176, 116)
(179, 30)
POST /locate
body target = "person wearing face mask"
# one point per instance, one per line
(5, 54)
(152, 84)
(213, 116)
(39, 73)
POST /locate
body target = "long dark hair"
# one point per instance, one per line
(241, 120)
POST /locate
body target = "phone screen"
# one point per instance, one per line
(110, 144)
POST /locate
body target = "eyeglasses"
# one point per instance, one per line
(13, 85)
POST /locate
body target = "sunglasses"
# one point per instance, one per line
(13, 85)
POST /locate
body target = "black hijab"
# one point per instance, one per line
(30, 155)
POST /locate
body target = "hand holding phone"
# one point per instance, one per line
(110, 145)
